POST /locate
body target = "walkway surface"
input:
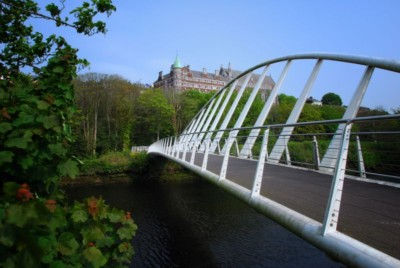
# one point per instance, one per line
(369, 212)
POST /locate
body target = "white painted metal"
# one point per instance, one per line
(247, 106)
(260, 165)
(189, 137)
(323, 235)
(205, 158)
(230, 113)
(205, 127)
(248, 145)
(288, 160)
(221, 110)
(336, 244)
(192, 156)
(316, 153)
(361, 167)
(329, 159)
(174, 145)
(284, 137)
(202, 123)
(224, 166)
(237, 147)
(331, 217)
(186, 140)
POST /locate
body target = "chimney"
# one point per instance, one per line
(159, 75)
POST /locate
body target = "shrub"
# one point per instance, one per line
(38, 231)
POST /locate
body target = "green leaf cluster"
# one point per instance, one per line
(34, 234)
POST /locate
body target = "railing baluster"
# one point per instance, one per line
(221, 110)
(230, 113)
(205, 158)
(260, 165)
(248, 145)
(315, 153)
(192, 156)
(224, 167)
(284, 137)
(248, 104)
(331, 217)
(361, 167)
(331, 154)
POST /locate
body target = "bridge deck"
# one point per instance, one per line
(369, 212)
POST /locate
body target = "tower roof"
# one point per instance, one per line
(177, 63)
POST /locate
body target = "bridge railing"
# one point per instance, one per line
(199, 154)
(220, 132)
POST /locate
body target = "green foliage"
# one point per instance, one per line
(36, 114)
(331, 99)
(42, 232)
(153, 117)
(115, 163)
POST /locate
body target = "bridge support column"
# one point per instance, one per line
(260, 165)
(335, 196)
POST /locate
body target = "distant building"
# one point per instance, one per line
(183, 78)
(313, 101)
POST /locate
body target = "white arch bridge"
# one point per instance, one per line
(330, 196)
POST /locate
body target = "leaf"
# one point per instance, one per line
(47, 245)
(68, 168)
(115, 215)
(126, 232)
(79, 215)
(23, 119)
(94, 256)
(42, 105)
(21, 143)
(21, 214)
(6, 157)
(26, 162)
(67, 244)
(92, 235)
(4, 127)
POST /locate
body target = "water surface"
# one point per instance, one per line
(196, 224)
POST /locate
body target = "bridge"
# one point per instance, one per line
(331, 198)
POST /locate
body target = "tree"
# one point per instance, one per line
(331, 99)
(153, 117)
(37, 110)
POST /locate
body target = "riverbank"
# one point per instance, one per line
(123, 167)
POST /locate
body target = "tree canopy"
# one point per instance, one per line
(331, 99)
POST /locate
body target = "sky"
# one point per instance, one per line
(144, 37)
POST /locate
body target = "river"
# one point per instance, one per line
(196, 224)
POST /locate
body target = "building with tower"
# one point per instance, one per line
(183, 78)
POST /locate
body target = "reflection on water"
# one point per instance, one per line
(196, 224)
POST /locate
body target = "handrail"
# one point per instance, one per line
(326, 122)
